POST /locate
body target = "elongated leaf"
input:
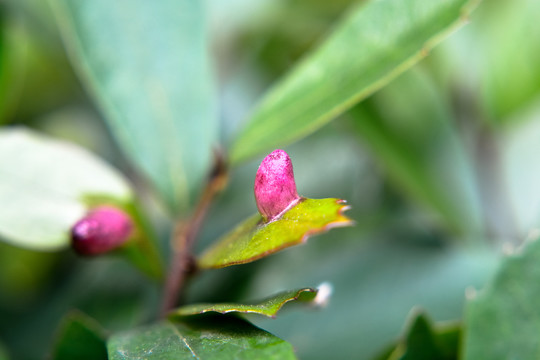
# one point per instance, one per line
(378, 41)
(408, 128)
(254, 239)
(268, 307)
(146, 64)
(43, 187)
(502, 322)
(209, 338)
(80, 337)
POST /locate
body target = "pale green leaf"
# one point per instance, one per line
(503, 320)
(371, 46)
(44, 184)
(147, 65)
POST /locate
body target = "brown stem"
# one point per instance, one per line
(184, 236)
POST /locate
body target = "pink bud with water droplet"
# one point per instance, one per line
(275, 188)
(103, 229)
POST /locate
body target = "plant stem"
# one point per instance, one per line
(185, 233)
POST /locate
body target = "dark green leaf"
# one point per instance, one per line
(424, 340)
(268, 307)
(408, 128)
(219, 337)
(13, 57)
(375, 43)
(254, 239)
(80, 337)
(46, 183)
(503, 320)
(3, 353)
(146, 64)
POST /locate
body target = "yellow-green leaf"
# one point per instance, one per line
(254, 239)
(267, 307)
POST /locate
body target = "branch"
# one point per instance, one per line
(185, 233)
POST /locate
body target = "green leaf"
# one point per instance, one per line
(424, 340)
(13, 57)
(254, 239)
(408, 128)
(152, 79)
(268, 307)
(3, 352)
(209, 338)
(370, 47)
(502, 321)
(46, 183)
(80, 337)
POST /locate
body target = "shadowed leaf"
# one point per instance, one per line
(81, 338)
(207, 338)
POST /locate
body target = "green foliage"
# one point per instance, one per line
(220, 338)
(370, 47)
(416, 142)
(425, 341)
(157, 98)
(254, 239)
(423, 138)
(502, 320)
(46, 181)
(80, 337)
(268, 307)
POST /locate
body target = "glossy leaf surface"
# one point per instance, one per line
(210, 338)
(370, 47)
(254, 239)
(45, 183)
(146, 64)
(507, 309)
(268, 307)
(80, 337)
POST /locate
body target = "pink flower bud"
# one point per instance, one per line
(275, 189)
(100, 231)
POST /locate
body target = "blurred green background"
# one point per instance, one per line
(440, 168)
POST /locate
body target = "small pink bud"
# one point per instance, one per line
(275, 189)
(100, 231)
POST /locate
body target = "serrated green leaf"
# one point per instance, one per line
(375, 43)
(254, 239)
(268, 307)
(152, 79)
(502, 321)
(45, 183)
(209, 338)
(80, 337)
